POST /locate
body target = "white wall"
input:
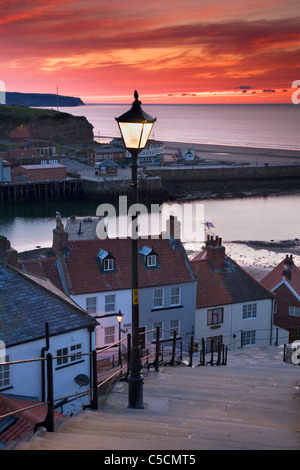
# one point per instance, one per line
(233, 324)
(122, 302)
(26, 379)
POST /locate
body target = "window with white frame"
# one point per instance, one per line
(175, 295)
(215, 316)
(91, 305)
(160, 325)
(294, 311)
(151, 261)
(248, 338)
(110, 303)
(69, 355)
(249, 311)
(109, 264)
(109, 334)
(5, 373)
(174, 326)
(158, 298)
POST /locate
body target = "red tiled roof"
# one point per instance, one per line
(85, 275)
(275, 277)
(46, 268)
(232, 285)
(26, 419)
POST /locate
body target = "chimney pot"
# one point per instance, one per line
(216, 253)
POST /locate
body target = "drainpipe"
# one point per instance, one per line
(271, 329)
(43, 350)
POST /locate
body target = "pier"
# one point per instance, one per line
(55, 190)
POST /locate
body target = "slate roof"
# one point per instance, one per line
(26, 306)
(232, 285)
(85, 276)
(274, 277)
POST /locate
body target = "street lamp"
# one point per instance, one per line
(135, 126)
(120, 316)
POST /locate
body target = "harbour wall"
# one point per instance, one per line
(161, 184)
(202, 182)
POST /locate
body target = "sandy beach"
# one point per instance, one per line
(258, 258)
(253, 155)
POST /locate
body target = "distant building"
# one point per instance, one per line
(152, 153)
(39, 172)
(28, 157)
(284, 282)
(106, 152)
(43, 148)
(107, 167)
(231, 306)
(20, 134)
(5, 171)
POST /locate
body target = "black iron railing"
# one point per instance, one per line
(172, 350)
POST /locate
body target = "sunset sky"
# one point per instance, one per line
(171, 51)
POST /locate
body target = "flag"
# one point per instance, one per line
(209, 225)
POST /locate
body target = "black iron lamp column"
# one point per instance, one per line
(135, 126)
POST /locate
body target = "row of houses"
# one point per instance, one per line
(117, 153)
(210, 296)
(82, 284)
(33, 160)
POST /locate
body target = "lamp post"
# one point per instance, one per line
(135, 126)
(120, 318)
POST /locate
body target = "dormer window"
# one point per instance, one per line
(149, 257)
(106, 262)
(109, 264)
(151, 261)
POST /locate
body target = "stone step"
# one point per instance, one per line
(190, 409)
(246, 437)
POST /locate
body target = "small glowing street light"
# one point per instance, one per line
(120, 316)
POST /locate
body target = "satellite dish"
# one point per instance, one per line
(82, 379)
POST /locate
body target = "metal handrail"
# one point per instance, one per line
(49, 420)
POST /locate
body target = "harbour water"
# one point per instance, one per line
(256, 218)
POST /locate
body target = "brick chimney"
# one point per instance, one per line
(215, 252)
(288, 267)
(60, 236)
(3, 250)
(7, 254)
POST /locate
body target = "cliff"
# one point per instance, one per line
(45, 124)
(41, 99)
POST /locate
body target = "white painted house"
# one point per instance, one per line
(231, 305)
(37, 319)
(96, 274)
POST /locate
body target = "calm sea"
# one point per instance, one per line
(269, 126)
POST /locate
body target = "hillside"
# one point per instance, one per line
(41, 99)
(45, 124)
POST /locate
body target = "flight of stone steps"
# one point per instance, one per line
(190, 409)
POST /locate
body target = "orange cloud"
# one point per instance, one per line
(174, 50)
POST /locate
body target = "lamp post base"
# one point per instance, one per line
(135, 383)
